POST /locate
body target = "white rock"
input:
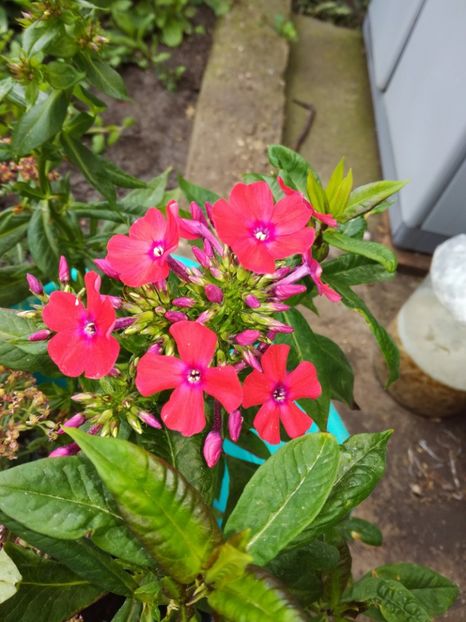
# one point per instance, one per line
(448, 276)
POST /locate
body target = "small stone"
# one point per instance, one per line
(416, 490)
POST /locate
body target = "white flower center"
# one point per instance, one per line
(90, 329)
(261, 233)
(279, 394)
(194, 376)
(158, 250)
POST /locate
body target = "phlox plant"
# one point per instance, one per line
(168, 365)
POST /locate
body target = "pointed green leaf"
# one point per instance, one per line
(361, 467)
(435, 593)
(387, 346)
(354, 270)
(196, 193)
(159, 506)
(130, 611)
(285, 494)
(254, 597)
(43, 240)
(49, 592)
(121, 178)
(335, 180)
(340, 198)
(361, 530)
(291, 166)
(10, 576)
(80, 556)
(101, 75)
(63, 498)
(40, 123)
(372, 250)
(365, 198)
(9, 237)
(316, 192)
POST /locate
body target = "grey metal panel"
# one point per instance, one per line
(391, 23)
(425, 106)
(449, 214)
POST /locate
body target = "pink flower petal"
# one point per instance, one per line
(292, 244)
(229, 222)
(156, 372)
(274, 360)
(172, 234)
(257, 388)
(303, 382)
(100, 307)
(255, 198)
(69, 352)
(223, 384)
(102, 354)
(254, 255)
(63, 311)
(196, 343)
(294, 420)
(290, 214)
(184, 411)
(131, 259)
(151, 227)
(267, 422)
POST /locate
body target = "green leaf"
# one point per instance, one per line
(337, 579)
(5, 87)
(172, 34)
(40, 123)
(16, 352)
(120, 178)
(361, 466)
(138, 201)
(333, 369)
(101, 75)
(43, 240)
(316, 193)
(90, 165)
(285, 494)
(254, 597)
(196, 193)
(63, 75)
(13, 284)
(396, 603)
(63, 498)
(435, 593)
(365, 198)
(292, 167)
(340, 198)
(129, 612)
(159, 506)
(372, 250)
(240, 472)
(359, 529)
(387, 346)
(11, 236)
(49, 592)
(80, 556)
(335, 180)
(354, 270)
(9, 577)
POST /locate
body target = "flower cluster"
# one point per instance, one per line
(204, 334)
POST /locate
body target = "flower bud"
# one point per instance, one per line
(82, 397)
(123, 322)
(201, 256)
(208, 249)
(116, 301)
(63, 270)
(247, 337)
(75, 421)
(252, 302)
(156, 348)
(66, 450)
(178, 268)
(235, 423)
(35, 286)
(205, 317)
(114, 372)
(280, 327)
(286, 290)
(149, 419)
(40, 335)
(212, 449)
(213, 293)
(251, 360)
(175, 316)
(197, 213)
(105, 266)
(184, 301)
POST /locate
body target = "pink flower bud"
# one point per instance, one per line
(276, 307)
(281, 272)
(63, 270)
(247, 337)
(213, 293)
(296, 275)
(286, 290)
(66, 450)
(208, 208)
(252, 301)
(280, 327)
(114, 372)
(212, 449)
(251, 360)
(75, 421)
(123, 322)
(178, 268)
(116, 301)
(149, 419)
(204, 317)
(175, 316)
(40, 335)
(35, 286)
(201, 256)
(184, 301)
(156, 348)
(216, 273)
(106, 268)
(235, 423)
(208, 249)
(82, 397)
(240, 366)
(94, 429)
(197, 213)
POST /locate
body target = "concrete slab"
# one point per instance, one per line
(418, 505)
(240, 107)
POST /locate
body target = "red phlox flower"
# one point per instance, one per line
(259, 231)
(83, 342)
(141, 257)
(190, 376)
(327, 219)
(276, 389)
(315, 271)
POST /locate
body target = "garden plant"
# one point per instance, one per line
(159, 371)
